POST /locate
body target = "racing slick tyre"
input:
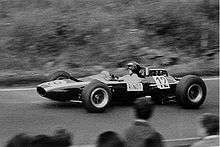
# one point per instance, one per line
(96, 96)
(191, 92)
(59, 75)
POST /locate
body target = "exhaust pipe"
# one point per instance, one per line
(41, 91)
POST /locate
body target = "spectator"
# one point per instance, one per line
(110, 139)
(41, 141)
(141, 130)
(209, 130)
(61, 138)
(153, 140)
(20, 140)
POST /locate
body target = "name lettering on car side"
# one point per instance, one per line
(134, 87)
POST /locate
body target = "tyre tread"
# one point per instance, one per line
(181, 89)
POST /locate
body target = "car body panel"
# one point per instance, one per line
(67, 89)
(62, 84)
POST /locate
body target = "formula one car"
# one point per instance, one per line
(98, 91)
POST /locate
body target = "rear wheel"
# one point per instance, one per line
(191, 92)
(96, 96)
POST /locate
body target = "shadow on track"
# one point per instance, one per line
(62, 105)
(53, 105)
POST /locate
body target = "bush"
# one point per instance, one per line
(179, 25)
(79, 33)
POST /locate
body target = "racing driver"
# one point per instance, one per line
(133, 70)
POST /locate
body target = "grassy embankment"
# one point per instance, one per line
(87, 36)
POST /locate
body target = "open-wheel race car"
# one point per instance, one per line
(98, 91)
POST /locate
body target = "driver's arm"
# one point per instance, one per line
(124, 78)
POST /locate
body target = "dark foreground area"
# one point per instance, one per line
(25, 111)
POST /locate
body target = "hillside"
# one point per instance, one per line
(86, 36)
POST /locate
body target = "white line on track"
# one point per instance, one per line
(27, 102)
(210, 79)
(182, 139)
(16, 89)
(28, 89)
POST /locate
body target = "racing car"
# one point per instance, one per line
(98, 91)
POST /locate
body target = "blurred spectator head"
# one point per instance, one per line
(208, 124)
(154, 140)
(20, 140)
(64, 136)
(61, 138)
(110, 139)
(144, 108)
(41, 141)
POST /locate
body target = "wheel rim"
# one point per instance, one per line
(195, 93)
(99, 98)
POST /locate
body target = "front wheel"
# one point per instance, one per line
(191, 92)
(96, 96)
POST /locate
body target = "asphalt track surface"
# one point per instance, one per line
(23, 110)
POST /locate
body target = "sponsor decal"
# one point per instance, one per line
(134, 87)
(161, 82)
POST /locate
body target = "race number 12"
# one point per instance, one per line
(162, 82)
